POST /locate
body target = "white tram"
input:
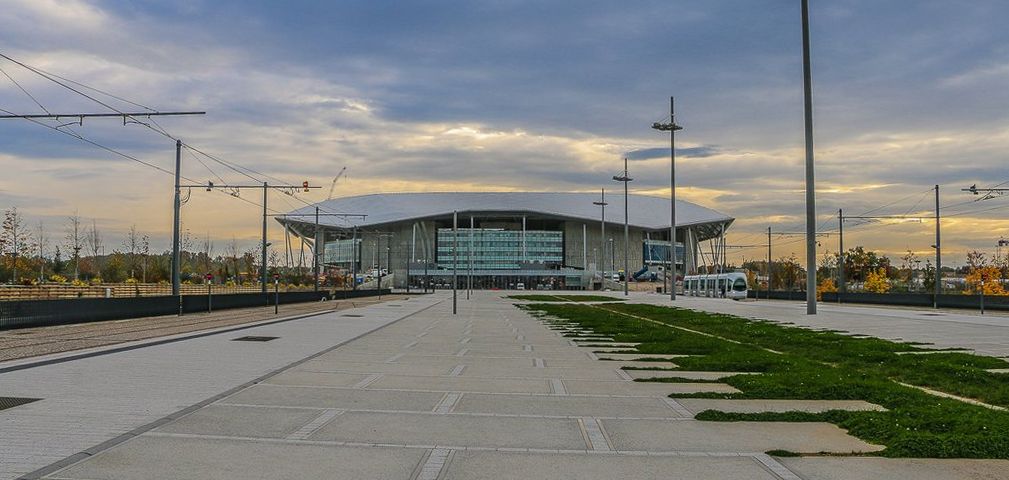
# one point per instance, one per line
(728, 285)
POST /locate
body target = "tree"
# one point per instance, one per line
(877, 281)
(132, 247)
(42, 241)
(233, 253)
(93, 239)
(15, 241)
(74, 238)
(989, 276)
(145, 252)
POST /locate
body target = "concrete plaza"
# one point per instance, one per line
(406, 390)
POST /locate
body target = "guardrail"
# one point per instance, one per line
(37, 313)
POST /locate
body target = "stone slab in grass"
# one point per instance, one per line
(998, 370)
(639, 356)
(461, 430)
(844, 468)
(698, 405)
(582, 343)
(636, 374)
(590, 387)
(161, 457)
(694, 436)
(472, 465)
(570, 405)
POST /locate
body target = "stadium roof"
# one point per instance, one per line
(646, 212)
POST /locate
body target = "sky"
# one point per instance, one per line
(518, 95)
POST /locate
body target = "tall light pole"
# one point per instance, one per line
(602, 231)
(627, 259)
(671, 127)
(807, 84)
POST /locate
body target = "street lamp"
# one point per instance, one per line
(627, 260)
(671, 127)
(602, 231)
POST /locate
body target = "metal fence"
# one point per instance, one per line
(37, 313)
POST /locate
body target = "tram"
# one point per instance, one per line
(725, 285)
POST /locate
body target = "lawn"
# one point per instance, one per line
(796, 363)
(565, 298)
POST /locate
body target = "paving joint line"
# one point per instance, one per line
(776, 467)
(311, 427)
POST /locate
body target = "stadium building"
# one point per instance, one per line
(503, 239)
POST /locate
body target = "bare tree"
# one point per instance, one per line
(145, 252)
(132, 247)
(75, 241)
(233, 254)
(43, 243)
(93, 239)
(14, 239)
(207, 249)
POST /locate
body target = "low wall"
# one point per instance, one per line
(972, 302)
(36, 313)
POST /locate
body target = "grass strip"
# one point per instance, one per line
(823, 365)
(565, 298)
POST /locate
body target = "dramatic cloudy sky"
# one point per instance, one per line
(517, 95)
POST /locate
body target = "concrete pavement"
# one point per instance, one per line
(491, 393)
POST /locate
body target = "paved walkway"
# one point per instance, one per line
(89, 401)
(491, 393)
(984, 334)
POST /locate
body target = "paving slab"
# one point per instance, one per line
(588, 372)
(335, 398)
(460, 384)
(591, 387)
(698, 405)
(872, 468)
(519, 466)
(372, 367)
(571, 405)
(268, 422)
(693, 436)
(148, 457)
(322, 379)
(412, 429)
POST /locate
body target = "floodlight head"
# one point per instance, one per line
(666, 127)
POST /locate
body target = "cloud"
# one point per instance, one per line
(691, 152)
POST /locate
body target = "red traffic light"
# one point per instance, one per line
(276, 276)
(305, 185)
(209, 276)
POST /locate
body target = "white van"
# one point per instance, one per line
(520, 286)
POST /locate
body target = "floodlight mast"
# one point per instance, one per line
(672, 128)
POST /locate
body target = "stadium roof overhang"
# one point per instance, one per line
(644, 212)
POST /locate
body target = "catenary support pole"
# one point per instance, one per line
(263, 276)
(840, 255)
(769, 263)
(317, 250)
(176, 254)
(810, 180)
(938, 254)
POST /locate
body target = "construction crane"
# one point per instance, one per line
(333, 185)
